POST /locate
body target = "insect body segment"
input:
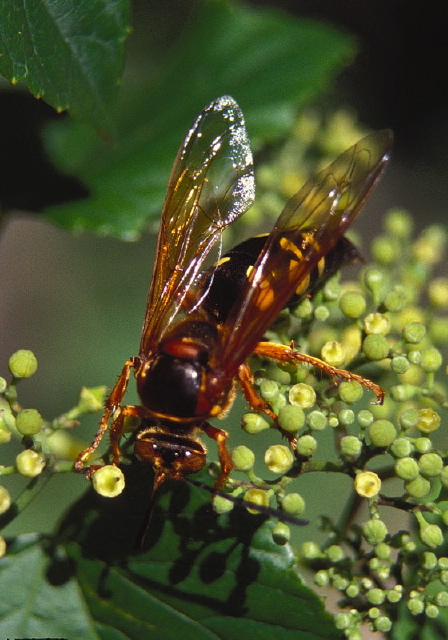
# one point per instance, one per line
(202, 324)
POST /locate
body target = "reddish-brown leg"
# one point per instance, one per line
(112, 404)
(282, 353)
(220, 436)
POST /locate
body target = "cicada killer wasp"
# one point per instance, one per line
(201, 324)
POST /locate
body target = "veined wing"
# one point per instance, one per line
(308, 227)
(211, 184)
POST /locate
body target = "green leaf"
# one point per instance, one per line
(37, 601)
(70, 53)
(271, 63)
(197, 576)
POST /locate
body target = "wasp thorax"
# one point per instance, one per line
(173, 453)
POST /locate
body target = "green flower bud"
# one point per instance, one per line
(383, 250)
(23, 363)
(415, 606)
(108, 481)
(402, 392)
(441, 599)
(377, 323)
(397, 298)
(346, 417)
(277, 374)
(399, 364)
(429, 560)
(438, 330)
(269, 390)
(332, 289)
(382, 433)
(253, 423)
(431, 359)
(406, 468)
(91, 399)
(304, 310)
(374, 280)
(310, 551)
(281, 533)
(335, 553)
(399, 223)
(302, 395)
(374, 531)
(242, 458)
(321, 313)
(222, 505)
(278, 458)
(428, 420)
(376, 596)
(382, 551)
(365, 418)
(291, 418)
(383, 624)
(5, 433)
(394, 595)
(444, 476)
(414, 332)
(367, 485)
(306, 446)
(29, 422)
(321, 578)
(373, 613)
(293, 504)
(431, 611)
(430, 534)
(351, 447)
(3, 384)
(375, 347)
(343, 621)
(316, 420)
(438, 293)
(408, 418)
(401, 447)
(423, 445)
(352, 304)
(442, 563)
(29, 463)
(340, 582)
(414, 356)
(2, 546)
(258, 497)
(418, 488)
(352, 590)
(350, 391)
(5, 500)
(430, 465)
(333, 353)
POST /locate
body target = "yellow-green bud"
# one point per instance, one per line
(293, 504)
(258, 497)
(5, 500)
(430, 534)
(2, 546)
(346, 417)
(343, 621)
(108, 481)
(333, 353)
(399, 364)
(221, 505)
(397, 298)
(316, 420)
(408, 418)
(351, 447)
(418, 488)
(377, 323)
(253, 423)
(302, 395)
(269, 390)
(350, 391)
(23, 363)
(431, 611)
(415, 606)
(414, 332)
(382, 433)
(399, 223)
(423, 445)
(365, 418)
(438, 292)
(352, 304)
(429, 560)
(376, 596)
(29, 422)
(321, 313)
(431, 359)
(29, 463)
(3, 384)
(5, 433)
(291, 418)
(322, 578)
(383, 250)
(310, 550)
(395, 595)
(382, 551)
(91, 399)
(243, 458)
(383, 624)
(444, 477)
(406, 468)
(306, 446)
(374, 531)
(367, 484)
(428, 420)
(375, 347)
(277, 374)
(281, 533)
(279, 458)
(430, 465)
(441, 599)
(401, 447)
(335, 553)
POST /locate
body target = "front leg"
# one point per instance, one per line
(112, 404)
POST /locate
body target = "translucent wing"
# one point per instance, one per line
(308, 227)
(211, 184)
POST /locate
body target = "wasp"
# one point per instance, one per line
(202, 323)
